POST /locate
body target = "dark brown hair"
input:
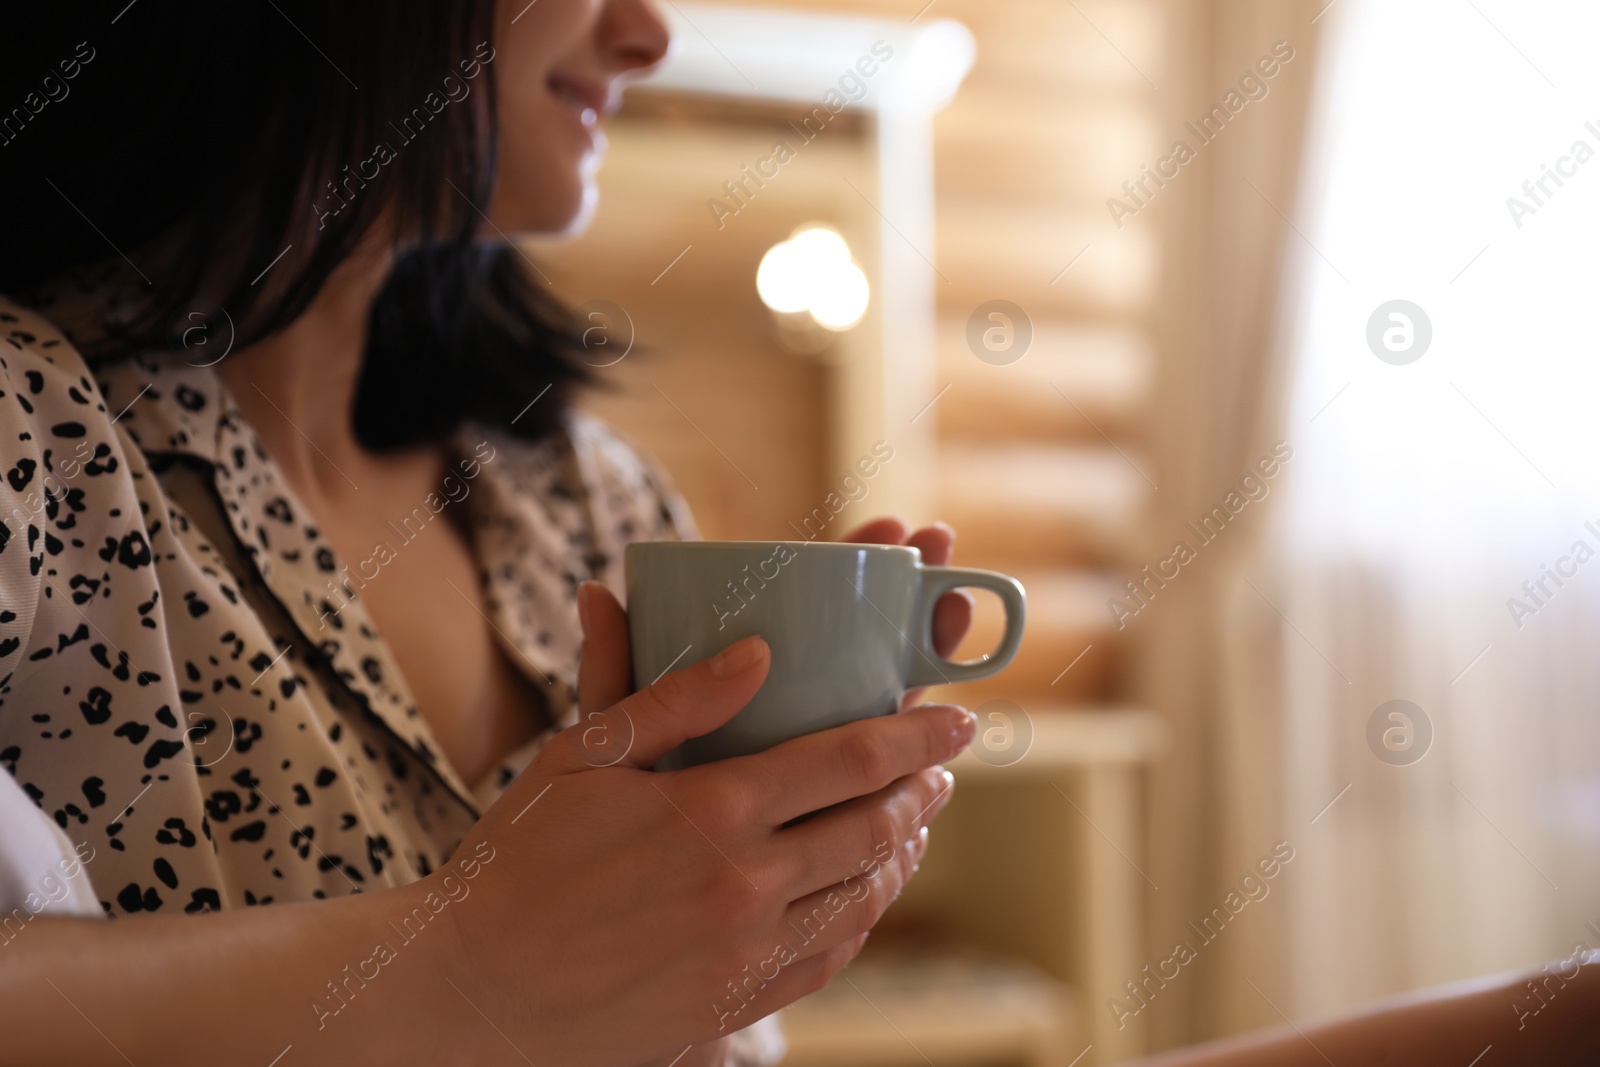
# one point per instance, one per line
(204, 142)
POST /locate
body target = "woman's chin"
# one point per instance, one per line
(558, 217)
(574, 221)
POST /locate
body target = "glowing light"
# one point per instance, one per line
(845, 300)
(812, 272)
(781, 280)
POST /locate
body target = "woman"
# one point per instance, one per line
(306, 559)
(214, 568)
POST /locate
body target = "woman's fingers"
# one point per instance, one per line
(777, 981)
(854, 760)
(935, 542)
(605, 667)
(711, 1054)
(605, 678)
(885, 531)
(952, 616)
(839, 914)
(681, 704)
(838, 843)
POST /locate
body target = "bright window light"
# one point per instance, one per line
(1475, 199)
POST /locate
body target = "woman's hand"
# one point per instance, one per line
(598, 913)
(712, 1054)
(627, 914)
(952, 615)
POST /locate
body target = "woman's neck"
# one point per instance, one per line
(297, 387)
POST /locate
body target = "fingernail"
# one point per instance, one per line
(737, 658)
(963, 731)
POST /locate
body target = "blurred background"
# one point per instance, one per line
(1254, 337)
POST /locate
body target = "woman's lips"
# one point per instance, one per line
(587, 100)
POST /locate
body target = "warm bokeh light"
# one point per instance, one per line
(813, 271)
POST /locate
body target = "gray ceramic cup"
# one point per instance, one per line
(850, 628)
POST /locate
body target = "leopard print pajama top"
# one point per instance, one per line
(190, 688)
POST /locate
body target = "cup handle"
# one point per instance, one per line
(928, 667)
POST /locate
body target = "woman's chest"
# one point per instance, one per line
(413, 571)
(206, 736)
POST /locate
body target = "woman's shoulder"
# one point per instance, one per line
(54, 429)
(52, 413)
(47, 384)
(590, 459)
(57, 417)
(35, 354)
(617, 459)
(589, 436)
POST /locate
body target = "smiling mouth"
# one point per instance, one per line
(581, 102)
